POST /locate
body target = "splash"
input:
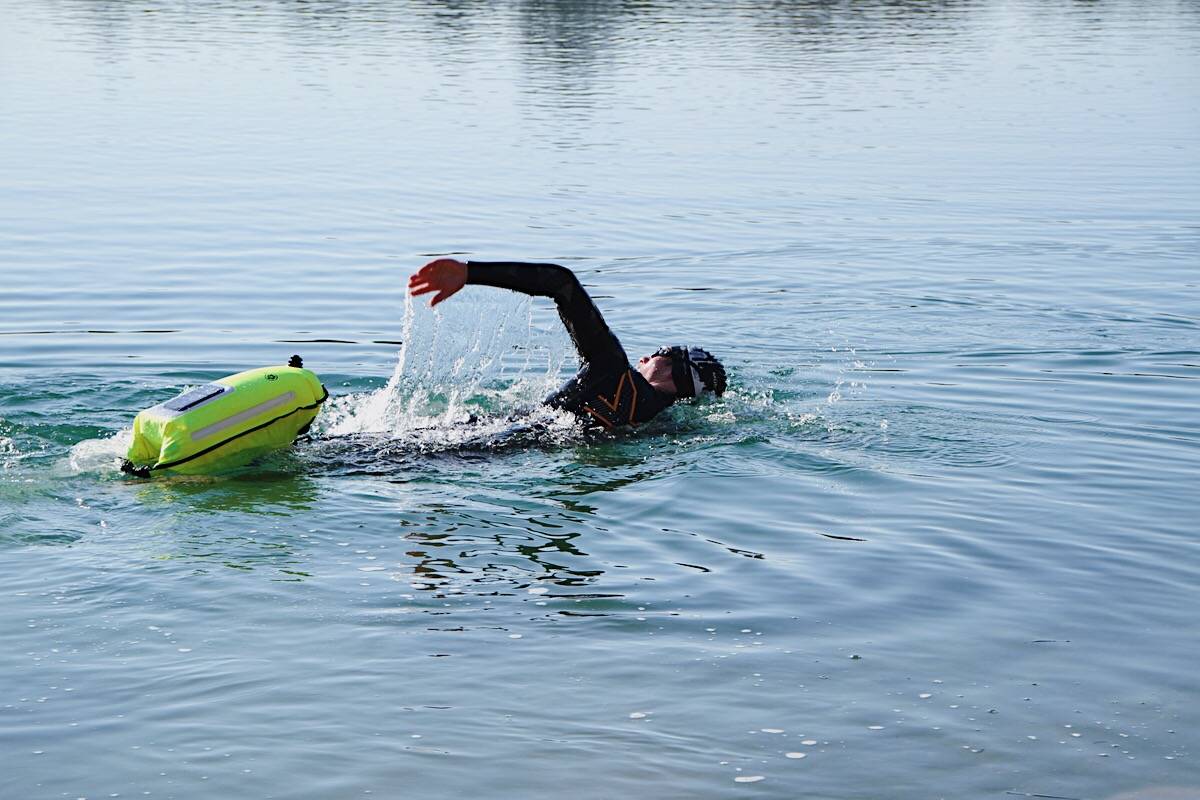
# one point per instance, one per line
(7, 448)
(468, 373)
(99, 455)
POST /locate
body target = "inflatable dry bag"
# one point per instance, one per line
(226, 423)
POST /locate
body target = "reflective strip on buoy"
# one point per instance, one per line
(249, 413)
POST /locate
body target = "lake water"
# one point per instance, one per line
(939, 539)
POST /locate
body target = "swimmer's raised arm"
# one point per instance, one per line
(594, 342)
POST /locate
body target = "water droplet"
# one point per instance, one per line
(638, 715)
(796, 755)
(749, 778)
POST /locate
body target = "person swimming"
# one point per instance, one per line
(606, 392)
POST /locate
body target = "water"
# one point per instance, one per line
(939, 539)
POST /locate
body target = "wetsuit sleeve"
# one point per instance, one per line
(594, 342)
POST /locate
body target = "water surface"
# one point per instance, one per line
(937, 541)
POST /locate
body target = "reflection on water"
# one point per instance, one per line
(563, 31)
(256, 490)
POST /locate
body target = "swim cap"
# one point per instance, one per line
(694, 370)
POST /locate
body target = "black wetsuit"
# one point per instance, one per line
(606, 392)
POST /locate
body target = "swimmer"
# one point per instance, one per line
(606, 392)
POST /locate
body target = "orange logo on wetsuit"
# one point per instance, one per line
(621, 408)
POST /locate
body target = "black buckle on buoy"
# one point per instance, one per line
(128, 468)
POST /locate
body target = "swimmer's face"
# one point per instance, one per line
(657, 372)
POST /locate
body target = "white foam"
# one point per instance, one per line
(100, 455)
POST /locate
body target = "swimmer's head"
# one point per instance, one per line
(683, 371)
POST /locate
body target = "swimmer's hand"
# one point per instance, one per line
(444, 276)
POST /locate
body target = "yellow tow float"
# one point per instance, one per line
(226, 423)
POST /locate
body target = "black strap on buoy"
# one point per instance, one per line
(296, 361)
